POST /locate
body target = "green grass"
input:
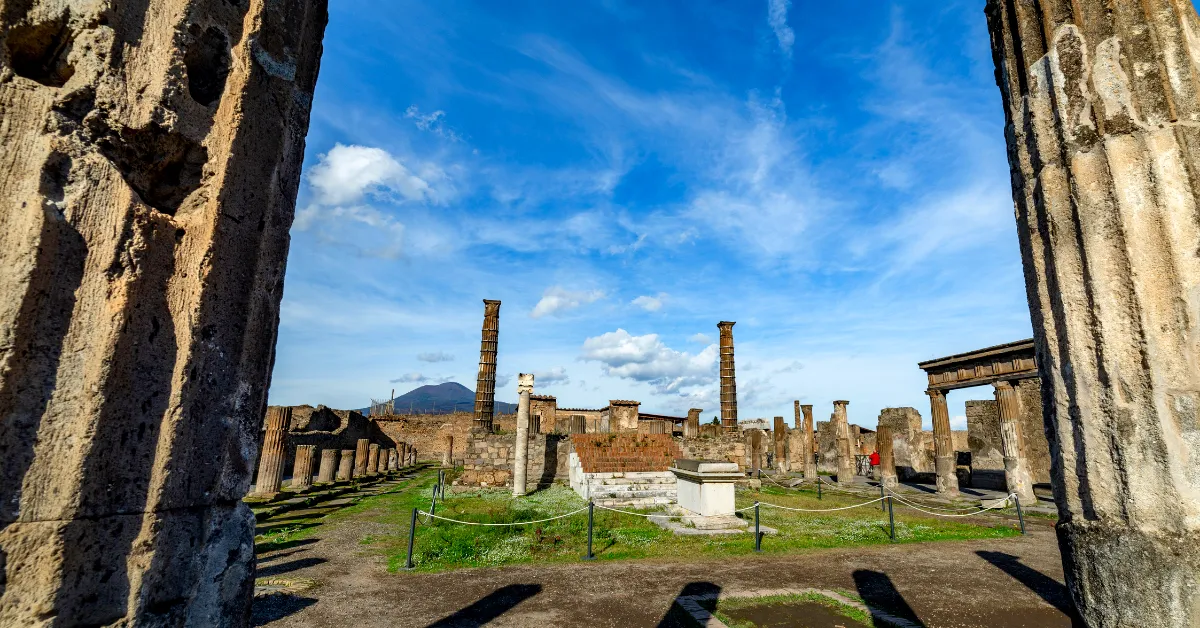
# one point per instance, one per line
(443, 545)
(725, 605)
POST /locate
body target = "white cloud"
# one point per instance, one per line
(432, 122)
(502, 380)
(556, 375)
(418, 378)
(703, 339)
(556, 301)
(435, 356)
(649, 303)
(346, 174)
(958, 422)
(366, 230)
(647, 359)
(777, 11)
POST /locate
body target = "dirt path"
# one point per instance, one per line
(998, 583)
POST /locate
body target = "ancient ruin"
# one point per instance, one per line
(1102, 104)
(270, 464)
(728, 380)
(302, 472)
(485, 390)
(521, 464)
(842, 443)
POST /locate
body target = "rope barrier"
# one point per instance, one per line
(517, 523)
(873, 501)
(969, 514)
(666, 516)
(917, 504)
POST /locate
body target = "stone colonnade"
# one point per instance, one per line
(844, 448)
(270, 462)
(1016, 464)
(302, 471)
(1102, 104)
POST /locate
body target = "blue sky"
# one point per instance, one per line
(624, 175)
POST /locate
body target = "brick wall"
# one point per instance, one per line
(488, 460)
(612, 453)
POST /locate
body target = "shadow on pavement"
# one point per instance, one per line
(676, 617)
(489, 607)
(271, 608)
(291, 565)
(1046, 587)
(877, 590)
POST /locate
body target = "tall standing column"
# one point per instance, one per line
(270, 462)
(728, 378)
(447, 450)
(844, 448)
(372, 460)
(810, 461)
(780, 434)
(485, 388)
(328, 465)
(943, 444)
(1016, 467)
(360, 457)
(521, 456)
(1103, 105)
(346, 465)
(302, 470)
(887, 457)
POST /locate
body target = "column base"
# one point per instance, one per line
(947, 479)
(1128, 577)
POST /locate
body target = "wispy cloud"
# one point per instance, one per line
(557, 301)
(777, 12)
(650, 303)
(434, 122)
(556, 375)
(418, 378)
(435, 356)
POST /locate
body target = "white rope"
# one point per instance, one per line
(873, 501)
(518, 523)
(970, 514)
(916, 504)
(666, 516)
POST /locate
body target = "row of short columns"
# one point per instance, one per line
(367, 459)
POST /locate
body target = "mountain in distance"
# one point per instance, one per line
(443, 399)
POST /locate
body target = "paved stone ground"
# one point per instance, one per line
(999, 583)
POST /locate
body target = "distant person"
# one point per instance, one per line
(874, 461)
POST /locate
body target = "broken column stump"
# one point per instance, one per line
(345, 465)
(302, 471)
(360, 457)
(270, 461)
(328, 465)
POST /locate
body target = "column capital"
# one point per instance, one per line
(934, 393)
(841, 402)
(1003, 384)
(806, 406)
(524, 383)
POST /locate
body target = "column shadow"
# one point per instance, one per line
(269, 608)
(287, 567)
(1047, 588)
(676, 617)
(877, 590)
(488, 607)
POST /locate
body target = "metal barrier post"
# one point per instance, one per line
(1020, 515)
(757, 534)
(591, 511)
(412, 533)
(891, 519)
(433, 504)
(882, 506)
(818, 487)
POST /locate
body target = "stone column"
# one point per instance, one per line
(1016, 468)
(780, 434)
(845, 450)
(302, 470)
(728, 378)
(944, 461)
(810, 461)
(403, 454)
(328, 465)
(485, 389)
(270, 462)
(521, 455)
(151, 155)
(447, 450)
(412, 455)
(360, 457)
(887, 458)
(692, 429)
(346, 465)
(391, 459)
(754, 448)
(1102, 104)
(372, 460)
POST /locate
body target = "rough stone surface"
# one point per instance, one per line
(1102, 107)
(150, 159)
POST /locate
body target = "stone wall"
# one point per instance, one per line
(611, 453)
(488, 460)
(911, 447)
(424, 431)
(1033, 430)
(715, 444)
(983, 435)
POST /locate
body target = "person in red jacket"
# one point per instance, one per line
(874, 458)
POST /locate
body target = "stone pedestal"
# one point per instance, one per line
(302, 470)
(360, 457)
(887, 458)
(521, 453)
(328, 465)
(944, 459)
(270, 464)
(1102, 101)
(842, 443)
(1016, 468)
(705, 489)
(346, 465)
(372, 467)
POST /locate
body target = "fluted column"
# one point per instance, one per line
(943, 444)
(360, 457)
(328, 465)
(845, 450)
(403, 454)
(485, 388)
(1016, 467)
(372, 460)
(887, 456)
(728, 377)
(270, 464)
(521, 455)
(780, 434)
(346, 465)
(302, 470)
(810, 461)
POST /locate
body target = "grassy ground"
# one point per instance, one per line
(442, 545)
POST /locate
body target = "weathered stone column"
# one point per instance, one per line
(403, 454)
(302, 470)
(754, 449)
(360, 457)
(943, 444)
(521, 454)
(810, 462)
(372, 460)
(844, 448)
(412, 455)
(1102, 104)
(728, 378)
(485, 388)
(346, 465)
(328, 465)
(447, 450)
(692, 428)
(391, 459)
(780, 434)
(887, 458)
(150, 155)
(1016, 468)
(270, 462)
